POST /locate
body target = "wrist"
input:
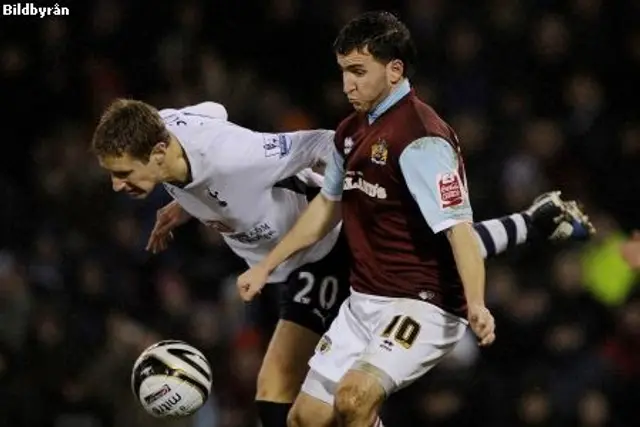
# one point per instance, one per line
(265, 266)
(476, 303)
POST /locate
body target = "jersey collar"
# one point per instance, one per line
(193, 160)
(396, 95)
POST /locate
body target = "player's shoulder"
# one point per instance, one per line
(427, 121)
(419, 121)
(200, 113)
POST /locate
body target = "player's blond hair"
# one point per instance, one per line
(128, 127)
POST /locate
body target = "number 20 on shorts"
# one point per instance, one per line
(405, 330)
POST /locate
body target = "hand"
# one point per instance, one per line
(167, 218)
(482, 324)
(630, 250)
(251, 282)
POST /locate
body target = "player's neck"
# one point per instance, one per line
(178, 169)
(385, 96)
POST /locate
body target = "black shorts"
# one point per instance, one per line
(312, 295)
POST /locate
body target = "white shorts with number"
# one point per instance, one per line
(403, 338)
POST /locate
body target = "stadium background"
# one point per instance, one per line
(543, 94)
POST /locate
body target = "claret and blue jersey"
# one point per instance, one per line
(400, 176)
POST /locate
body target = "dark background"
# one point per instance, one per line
(542, 93)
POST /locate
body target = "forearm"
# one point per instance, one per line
(469, 261)
(321, 216)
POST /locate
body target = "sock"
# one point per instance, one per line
(273, 414)
(497, 235)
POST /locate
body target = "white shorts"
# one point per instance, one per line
(403, 338)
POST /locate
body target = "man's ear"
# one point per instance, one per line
(396, 71)
(158, 152)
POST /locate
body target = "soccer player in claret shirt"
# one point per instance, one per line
(396, 179)
(251, 187)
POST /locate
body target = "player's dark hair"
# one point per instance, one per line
(128, 127)
(383, 34)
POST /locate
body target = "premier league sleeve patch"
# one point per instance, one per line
(276, 145)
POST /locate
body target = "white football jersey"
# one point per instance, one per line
(248, 185)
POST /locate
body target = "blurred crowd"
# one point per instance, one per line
(542, 94)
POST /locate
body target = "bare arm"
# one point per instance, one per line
(319, 218)
(469, 261)
(431, 169)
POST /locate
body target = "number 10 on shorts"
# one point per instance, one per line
(404, 329)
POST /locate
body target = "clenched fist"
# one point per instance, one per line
(251, 282)
(482, 324)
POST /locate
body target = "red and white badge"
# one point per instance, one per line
(450, 190)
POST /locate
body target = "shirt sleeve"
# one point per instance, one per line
(207, 109)
(430, 169)
(333, 176)
(286, 154)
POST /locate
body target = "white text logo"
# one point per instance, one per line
(371, 190)
(30, 9)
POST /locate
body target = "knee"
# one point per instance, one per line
(262, 381)
(274, 384)
(350, 400)
(295, 418)
(309, 416)
(357, 400)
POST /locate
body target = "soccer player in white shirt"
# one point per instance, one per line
(239, 182)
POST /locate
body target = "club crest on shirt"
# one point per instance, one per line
(379, 152)
(450, 190)
(324, 345)
(348, 145)
(215, 195)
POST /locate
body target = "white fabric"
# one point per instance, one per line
(235, 173)
(356, 338)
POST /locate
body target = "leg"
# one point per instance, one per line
(336, 352)
(285, 363)
(313, 407)
(264, 311)
(274, 394)
(408, 338)
(549, 217)
(310, 297)
(359, 398)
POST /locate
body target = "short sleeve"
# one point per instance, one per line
(284, 155)
(333, 176)
(430, 167)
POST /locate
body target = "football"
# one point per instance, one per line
(171, 379)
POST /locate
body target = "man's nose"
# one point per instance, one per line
(118, 184)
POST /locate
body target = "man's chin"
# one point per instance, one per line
(359, 107)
